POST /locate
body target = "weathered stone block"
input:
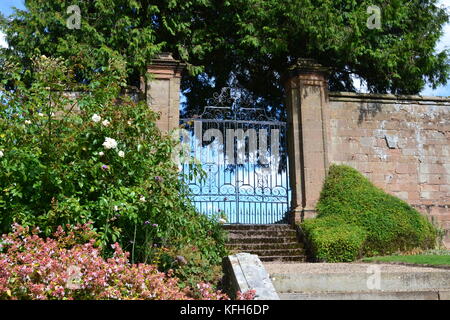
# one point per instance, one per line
(244, 271)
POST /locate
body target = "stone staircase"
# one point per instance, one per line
(275, 242)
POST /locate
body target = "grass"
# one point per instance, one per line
(437, 260)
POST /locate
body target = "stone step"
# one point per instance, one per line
(299, 258)
(277, 252)
(261, 240)
(264, 246)
(355, 277)
(368, 295)
(262, 233)
(275, 242)
(244, 227)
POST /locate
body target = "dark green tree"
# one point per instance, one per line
(250, 43)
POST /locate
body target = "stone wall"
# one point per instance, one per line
(402, 144)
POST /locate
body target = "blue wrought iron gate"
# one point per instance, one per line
(244, 155)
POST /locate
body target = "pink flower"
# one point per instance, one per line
(32, 267)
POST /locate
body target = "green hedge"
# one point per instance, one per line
(331, 240)
(351, 204)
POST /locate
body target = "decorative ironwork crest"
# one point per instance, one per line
(233, 104)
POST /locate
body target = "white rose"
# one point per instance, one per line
(105, 123)
(121, 154)
(101, 153)
(96, 118)
(1, 154)
(110, 143)
(27, 122)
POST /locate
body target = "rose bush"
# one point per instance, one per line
(70, 266)
(94, 155)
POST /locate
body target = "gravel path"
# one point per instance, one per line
(283, 268)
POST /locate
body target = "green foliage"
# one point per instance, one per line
(333, 240)
(189, 265)
(252, 42)
(391, 225)
(60, 166)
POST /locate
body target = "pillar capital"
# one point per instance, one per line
(308, 70)
(306, 65)
(164, 66)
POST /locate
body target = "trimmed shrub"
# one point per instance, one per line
(332, 240)
(390, 224)
(70, 266)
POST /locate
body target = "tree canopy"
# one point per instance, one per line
(248, 42)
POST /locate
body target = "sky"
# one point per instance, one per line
(6, 9)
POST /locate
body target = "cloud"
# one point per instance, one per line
(3, 43)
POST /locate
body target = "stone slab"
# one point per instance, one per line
(244, 271)
(416, 295)
(352, 277)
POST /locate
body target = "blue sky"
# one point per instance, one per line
(6, 5)
(6, 9)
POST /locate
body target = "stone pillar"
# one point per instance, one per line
(163, 90)
(307, 98)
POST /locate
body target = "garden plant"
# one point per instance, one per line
(76, 153)
(356, 219)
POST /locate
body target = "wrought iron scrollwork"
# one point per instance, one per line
(247, 191)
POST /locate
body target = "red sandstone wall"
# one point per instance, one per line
(401, 143)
